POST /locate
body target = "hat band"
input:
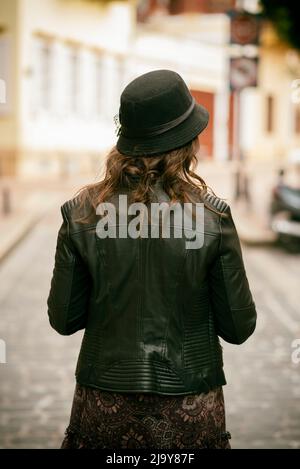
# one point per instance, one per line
(158, 129)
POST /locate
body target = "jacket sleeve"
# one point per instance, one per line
(70, 285)
(231, 299)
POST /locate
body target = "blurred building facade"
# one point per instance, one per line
(270, 113)
(65, 63)
(193, 44)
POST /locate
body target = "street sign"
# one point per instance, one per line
(243, 72)
(244, 28)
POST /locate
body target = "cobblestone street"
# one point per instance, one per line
(37, 382)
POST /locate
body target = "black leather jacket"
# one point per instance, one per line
(151, 309)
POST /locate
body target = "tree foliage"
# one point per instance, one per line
(285, 16)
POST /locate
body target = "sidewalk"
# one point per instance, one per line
(29, 202)
(252, 229)
(14, 228)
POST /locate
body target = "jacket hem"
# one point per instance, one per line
(200, 385)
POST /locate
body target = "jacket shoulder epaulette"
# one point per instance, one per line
(214, 201)
(68, 208)
(69, 205)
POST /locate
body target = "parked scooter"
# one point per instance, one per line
(285, 214)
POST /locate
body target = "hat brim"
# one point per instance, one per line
(170, 140)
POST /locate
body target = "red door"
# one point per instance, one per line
(206, 137)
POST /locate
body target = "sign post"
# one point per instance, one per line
(243, 72)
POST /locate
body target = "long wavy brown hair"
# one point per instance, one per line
(138, 174)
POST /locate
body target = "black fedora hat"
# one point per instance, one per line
(158, 114)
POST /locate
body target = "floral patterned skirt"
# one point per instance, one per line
(115, 420)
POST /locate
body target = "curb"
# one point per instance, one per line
(252, 230)
(19, 236)
(257, 242)
(258, 237)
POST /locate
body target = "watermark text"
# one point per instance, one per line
(2, 351)
(159, 219)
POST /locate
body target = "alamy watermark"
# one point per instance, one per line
(2, 351)
(296, 353)
(159, 219)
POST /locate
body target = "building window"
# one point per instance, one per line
(270, 113)
(118, 82)
(74, 79)
(99, 85)
(45, 73)
(120, 75)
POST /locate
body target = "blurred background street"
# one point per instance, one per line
(37, 383)
(63, 65)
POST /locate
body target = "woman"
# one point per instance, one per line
(150, 370)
